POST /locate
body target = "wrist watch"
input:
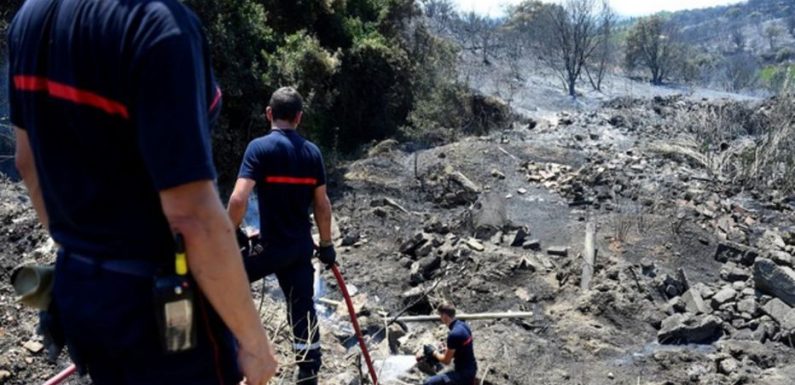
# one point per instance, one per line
(326, 243)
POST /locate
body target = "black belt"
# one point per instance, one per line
(134, 267)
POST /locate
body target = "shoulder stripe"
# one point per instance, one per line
(291, 180)
(72, 94)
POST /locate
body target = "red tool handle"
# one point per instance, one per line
(335, 269)
(60, 377)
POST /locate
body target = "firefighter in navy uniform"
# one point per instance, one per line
(111, 102)
(288, 174)
(460, 351)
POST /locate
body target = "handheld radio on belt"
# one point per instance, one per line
(174, 304)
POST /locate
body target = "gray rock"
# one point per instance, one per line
(734, 273)
(706, 291)
(519, 237)
(411, 245)
(436, 226)
(33, 346)
(684, 329)
(728, 366)
(560, 251)
(782, 258)
(429, 265)
(757, 335)
(424, 250)
(735, 252)
(464, 182)
(675, 305)
(776, 280)
(533, 244)
(648, 268)
(780, 312)
(747, 305)
(750, 350)
(722, 297)
(693, 301)
(475, 245)
(350, 239)
(396, 332)
(670, 285)
(771, 240)
(738, 286)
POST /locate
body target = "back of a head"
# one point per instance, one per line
(446, 309)
(286, 103)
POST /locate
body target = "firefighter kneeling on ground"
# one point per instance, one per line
(460, 350)
(288, 174)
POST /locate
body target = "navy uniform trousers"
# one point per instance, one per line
(109, 322)
(292, 264)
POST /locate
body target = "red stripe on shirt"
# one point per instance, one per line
(217, 98)
(467, 342)
(291, 180)
(75, 95)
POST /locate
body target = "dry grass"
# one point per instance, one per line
(753, 147)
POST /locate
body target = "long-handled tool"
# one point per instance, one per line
(60, 377)
(344, 288)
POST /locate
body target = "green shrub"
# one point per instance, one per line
(779, 79)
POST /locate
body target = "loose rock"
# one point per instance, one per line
(33, 346)
(559, 251)
(723, 296)
(475, 245)
(684, 329)
(776, 280)
(693, 302)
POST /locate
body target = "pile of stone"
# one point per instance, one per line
(755, 302)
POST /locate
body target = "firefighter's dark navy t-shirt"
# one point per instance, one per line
(116, 97)
(286, 168)
(460, 339)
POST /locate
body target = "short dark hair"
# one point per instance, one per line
(286, 103)
(446, 308)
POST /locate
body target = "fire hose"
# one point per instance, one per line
(60, 377)
(362, 344)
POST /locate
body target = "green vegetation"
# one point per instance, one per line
(779, 79)
(653, 43)
(369, 70)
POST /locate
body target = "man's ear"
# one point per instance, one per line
(269, 114)
(298, 117)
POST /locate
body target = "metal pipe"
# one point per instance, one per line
(466, 317)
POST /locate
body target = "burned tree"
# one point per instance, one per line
(479, 34)
(604, 53)
(652, 43)
(569, 36)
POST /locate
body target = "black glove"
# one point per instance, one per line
(428, 351)
(327, 255)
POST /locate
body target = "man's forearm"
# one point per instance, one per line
(26, 165)
(237, 210)
(31, 181)
(323, 219)
(216, 263)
